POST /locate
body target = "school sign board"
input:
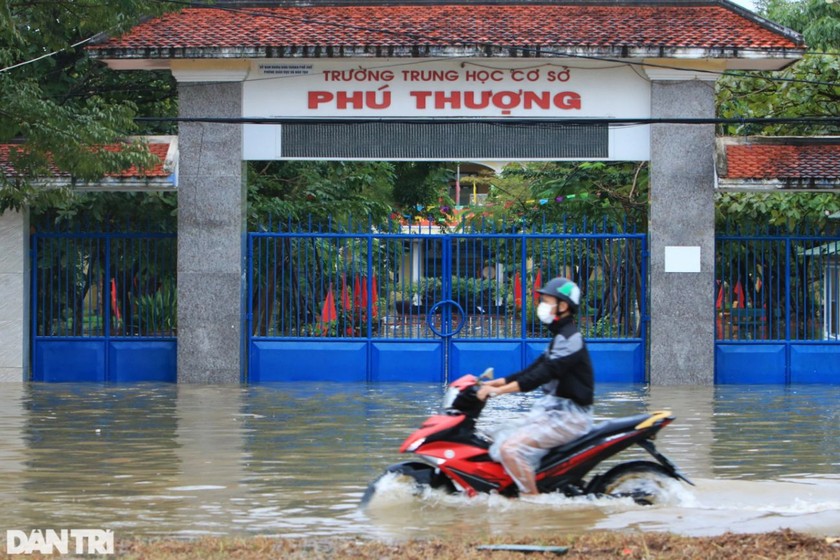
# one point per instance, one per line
(356, 109)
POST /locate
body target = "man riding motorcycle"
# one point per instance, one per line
(564, 371)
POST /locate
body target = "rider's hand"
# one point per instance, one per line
(484, 391)
(495, 383)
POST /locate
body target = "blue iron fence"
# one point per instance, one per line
(777, 308)
(357, 302)
(401, 303)
(103, 306)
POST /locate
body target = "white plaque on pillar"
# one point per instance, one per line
(682, 259)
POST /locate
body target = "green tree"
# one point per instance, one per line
(337, 191)
(788, 210)
(555, 191)
(808, 88)
(549, 196)
(324, 191)
(61, 107)
(421, 183)
(110, 211)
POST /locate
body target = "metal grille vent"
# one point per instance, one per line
(444, 141)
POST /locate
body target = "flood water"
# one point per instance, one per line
(293, 460)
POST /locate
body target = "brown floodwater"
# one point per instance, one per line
(294, 459)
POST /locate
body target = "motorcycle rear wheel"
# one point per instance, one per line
(646, 482)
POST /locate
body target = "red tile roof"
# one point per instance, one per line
(179, 34)
(158, 171)
(756, 161)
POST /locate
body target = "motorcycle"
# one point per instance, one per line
(454, 457)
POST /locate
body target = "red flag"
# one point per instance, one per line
(517, 291)
(364, 292)
(537, 286)
(375, 291)
(357, 293)
(114, 307)
(739, 295)
(719, 302)
(345, 295)
(328, 312)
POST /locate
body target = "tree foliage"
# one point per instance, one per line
(337, 191)
(60, 106)
(110, 211)
(319, 190)
(786, 210)
(421, 184)
(615, 192)
(809, 88)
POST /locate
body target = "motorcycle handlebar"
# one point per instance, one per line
(467, 401)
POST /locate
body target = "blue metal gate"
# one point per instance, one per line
(778, 316)
(103, 307)
(422, 304)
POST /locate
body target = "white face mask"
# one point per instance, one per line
(545, 312)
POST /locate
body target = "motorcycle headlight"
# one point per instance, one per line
(413, 447)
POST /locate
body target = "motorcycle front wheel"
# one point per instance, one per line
(418, 475)
(646, 482)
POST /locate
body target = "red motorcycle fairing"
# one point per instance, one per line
(432, 425)
(464, 381)
(582, 457)
(450, 451)
(466, 465)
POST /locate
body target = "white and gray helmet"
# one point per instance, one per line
(564, 289)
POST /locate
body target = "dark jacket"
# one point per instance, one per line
(567, 360)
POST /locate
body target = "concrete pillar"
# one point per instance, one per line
(14, 296)
(211, 236)
(682, 225)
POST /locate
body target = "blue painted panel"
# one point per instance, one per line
(307, 361)
(416, 362)
(146, 360)
(534, 350)
(618, 362)
(750, 363)
(69, 360)
(474, 357)
(815, 363)
(613, 362)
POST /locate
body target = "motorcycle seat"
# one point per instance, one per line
(606, 429)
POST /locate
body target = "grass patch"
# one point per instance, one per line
(783, 544)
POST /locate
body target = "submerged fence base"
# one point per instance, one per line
(424, 362)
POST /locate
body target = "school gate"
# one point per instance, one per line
(417, 304)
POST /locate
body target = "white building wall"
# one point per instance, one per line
(14, 296)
